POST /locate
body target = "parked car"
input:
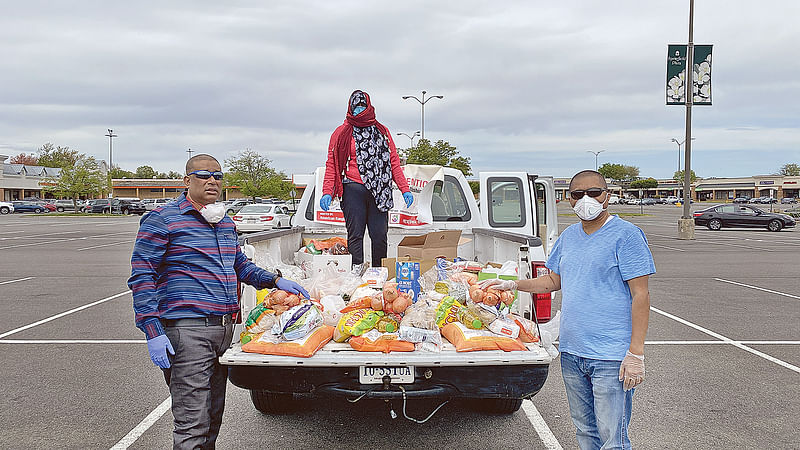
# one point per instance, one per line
(671, 200)
(50, 207)
(788, 200)
(68, 205)
(613, 199)
(744, 199)
(236, 205)
(648, 201)
(22, 206)
(153, 203)
(128, 206)
(261, 217)
(767, 199)
(6, 207)
(746, 216)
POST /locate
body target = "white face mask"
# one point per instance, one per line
(587, 208)
(213, 212)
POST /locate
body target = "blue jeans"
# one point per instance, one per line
(600, 408)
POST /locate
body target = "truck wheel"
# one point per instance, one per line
(498, 405)
(271, 402)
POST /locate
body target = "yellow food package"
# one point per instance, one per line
(447, 311)
(356, 323)
(261, 294)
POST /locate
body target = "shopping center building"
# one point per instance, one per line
(707, 189)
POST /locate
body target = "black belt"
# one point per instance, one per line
(210, 321)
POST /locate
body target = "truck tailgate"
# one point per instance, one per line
(342, 355)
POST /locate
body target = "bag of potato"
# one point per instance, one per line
(304, 347)
(375, 341)
(467, 340)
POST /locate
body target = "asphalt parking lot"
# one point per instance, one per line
(723, 353)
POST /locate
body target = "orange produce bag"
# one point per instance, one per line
(385, 343)
(467, 340)
(303, 348)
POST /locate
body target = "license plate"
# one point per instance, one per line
(251, 220)
(374, 375)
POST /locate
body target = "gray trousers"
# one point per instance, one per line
(197, 383)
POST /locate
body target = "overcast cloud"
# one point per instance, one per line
(527, 84)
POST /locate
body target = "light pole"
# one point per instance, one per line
(412, 136)
(111, 136)
(595, 157)
(189, 152)
(679, 151)
(422, 103)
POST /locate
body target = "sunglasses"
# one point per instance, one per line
(593, 192)
(205, 174)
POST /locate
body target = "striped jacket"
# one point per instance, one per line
(182, 266)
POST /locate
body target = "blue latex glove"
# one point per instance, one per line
(290, 286)
(158, 348)
(325, 202)
(409, 198)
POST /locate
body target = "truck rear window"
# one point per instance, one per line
(506, 209)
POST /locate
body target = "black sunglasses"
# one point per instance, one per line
(593, 192)
(205, 174)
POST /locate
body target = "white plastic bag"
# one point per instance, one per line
(550, 333)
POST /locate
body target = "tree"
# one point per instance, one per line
(116, 172)
(647, 183)
(619, 172)
(174, 175)
(790, 169)
(146, 172)
(254, 176)
(678, 176)
(22, 158)
(63, 157)
(83, 178)
(475, 186)
(440, 154)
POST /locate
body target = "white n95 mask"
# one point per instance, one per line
(213, 212)
(587, 208)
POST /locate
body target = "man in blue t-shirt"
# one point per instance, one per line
(601, 265)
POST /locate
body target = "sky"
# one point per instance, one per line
(527, 85)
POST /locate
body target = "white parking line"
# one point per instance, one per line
(103, 245)
(706, 241)
(758, 288)
(14, 281)
(143, 426)
(548, 438)
(668, 248)
(80, 308)
(728, 340)
(73, 341)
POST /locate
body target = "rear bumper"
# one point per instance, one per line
(506, 381)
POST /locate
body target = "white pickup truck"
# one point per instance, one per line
(517, 222)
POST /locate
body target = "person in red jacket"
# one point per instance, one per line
(362, 163)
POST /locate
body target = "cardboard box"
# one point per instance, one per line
(314, 264)
(430, 246)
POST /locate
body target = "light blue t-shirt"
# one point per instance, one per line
(596, 300)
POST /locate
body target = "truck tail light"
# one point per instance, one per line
(237, 218)
(266, 218)
(542, 302)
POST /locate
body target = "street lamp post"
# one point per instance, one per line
(679, 151)
(190, 151)
(595, 157)
(111, 136)
(422, 103)
(410, 136)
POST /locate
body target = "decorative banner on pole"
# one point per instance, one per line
(702, 75)
(676, 75)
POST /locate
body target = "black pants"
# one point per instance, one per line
(360, 211)
(197, 383)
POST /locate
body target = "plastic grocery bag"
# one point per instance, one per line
(332, 306)
(266, 261)
(550, 333)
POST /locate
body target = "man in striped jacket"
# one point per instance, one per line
(184, 271)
